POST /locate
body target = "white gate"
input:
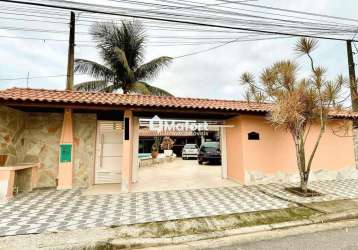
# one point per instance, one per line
(109, 152)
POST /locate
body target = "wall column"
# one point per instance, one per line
(223, 153)
(65, 167)
(135, 166)
(235, 151)
(127, 159)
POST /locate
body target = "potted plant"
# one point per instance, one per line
(167, 145)
(155, 148)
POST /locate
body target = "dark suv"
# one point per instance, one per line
(209, 152)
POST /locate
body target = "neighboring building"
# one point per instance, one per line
(98, 135)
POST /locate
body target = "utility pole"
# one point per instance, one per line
(354, 96)
(71, 53)
(352, 77)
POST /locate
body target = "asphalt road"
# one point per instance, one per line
(327, 240)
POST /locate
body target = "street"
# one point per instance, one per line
(327, 240)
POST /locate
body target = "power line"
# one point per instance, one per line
(166, 19)
(261, 23)
(296, 11)
(33, 77)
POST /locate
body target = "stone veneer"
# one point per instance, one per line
(85, 129)
(35, 137)
(11, 126)
(41, 144)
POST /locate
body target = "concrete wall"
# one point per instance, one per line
(273, 157)
(35, 137)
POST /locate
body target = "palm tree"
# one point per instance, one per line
(122, 50)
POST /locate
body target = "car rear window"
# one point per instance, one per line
(190, 146)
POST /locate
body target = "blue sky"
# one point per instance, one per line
(213, 74)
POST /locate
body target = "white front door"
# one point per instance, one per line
(109, 152)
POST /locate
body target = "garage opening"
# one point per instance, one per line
(180, 154)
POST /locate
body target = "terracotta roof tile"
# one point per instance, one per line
(99, 98)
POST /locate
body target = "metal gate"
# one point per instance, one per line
(109, 152)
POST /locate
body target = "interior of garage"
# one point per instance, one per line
(174, 172)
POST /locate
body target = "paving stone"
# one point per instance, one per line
(54, 211)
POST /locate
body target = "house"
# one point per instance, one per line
(86, 138)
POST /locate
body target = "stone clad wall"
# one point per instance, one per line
(85, 127)
(11, 127)
(35, 137)
(41, 144)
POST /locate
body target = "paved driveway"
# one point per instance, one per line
(180, 174)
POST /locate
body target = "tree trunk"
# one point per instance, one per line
(304, 184)
(301, 163)
(125, 88)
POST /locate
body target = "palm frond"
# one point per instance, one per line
(151, 69)
(132, 36)
(93, 69)
(99, 85)
(120, 56)
(129, 37)
(146, 89)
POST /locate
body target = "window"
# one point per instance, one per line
(253, 136)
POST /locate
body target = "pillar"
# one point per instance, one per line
(127, 159)
(65, 168)
(234, 149)
(135, 149)
(223, 147)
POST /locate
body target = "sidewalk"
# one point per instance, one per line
(55, 211)
(196, 233)
(170, 216)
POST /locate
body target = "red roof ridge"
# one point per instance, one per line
(104, 98)
(138, 95)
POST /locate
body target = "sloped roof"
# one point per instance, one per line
(29, 95)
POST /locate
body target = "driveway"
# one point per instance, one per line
(180, 175)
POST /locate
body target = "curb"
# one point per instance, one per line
(110, 238)
(156, 242)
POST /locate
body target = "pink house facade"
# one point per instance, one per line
(66, 135)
